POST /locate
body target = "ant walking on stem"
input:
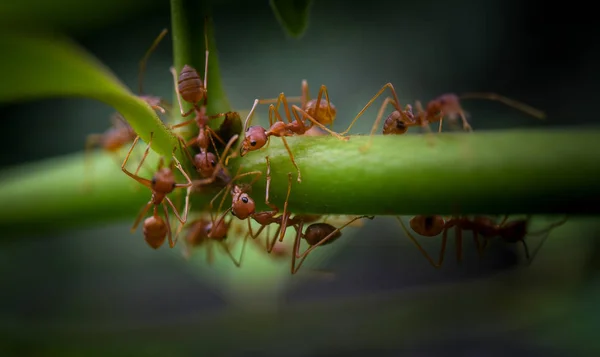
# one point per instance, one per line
(161, 184)
(511, 232)
(448, 105)
(256, 136)
(316, 234)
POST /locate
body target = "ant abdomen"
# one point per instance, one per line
(317, 231)
(155, 231)
(326, 114)
(190, 85)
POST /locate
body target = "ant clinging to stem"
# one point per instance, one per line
(121, 132)
(162, 183)
(448, 105)
(256, 137)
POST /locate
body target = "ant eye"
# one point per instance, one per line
(153, 181)
(174, 184)
(248, 128)
(245, 199)
(253, 143)
(213, 163)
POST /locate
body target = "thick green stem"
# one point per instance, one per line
(485, 172)
(188, 26)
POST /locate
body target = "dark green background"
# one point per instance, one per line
(103, 290)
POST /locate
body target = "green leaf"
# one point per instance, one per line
(38, 65)
(292, 15)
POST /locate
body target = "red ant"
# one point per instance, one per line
(322, 111)
(203, 231)
(121, 132)
(400, 120)
(433, 225)
(161, 184)
(256, 136)
(316, 234)
(207, 165)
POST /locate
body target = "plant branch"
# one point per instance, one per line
(501, 172)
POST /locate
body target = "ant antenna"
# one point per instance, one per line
(510, 102)
(145, 59)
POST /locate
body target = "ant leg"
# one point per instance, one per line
(272, 242)
(182, 124)
(206, 55)
(419, 247)
(466, 125)
(322, 90)
(141, 180)
(329, 236)
(294, 268)
(183, 113)
(141, 215)
(459, 243)
(237, 262)
(274, 100)
(146, 154)
(305, 94)
(145, 59)
(507, 101)
(285, 208)
(296, 109)
(387, 101)
(287, 147)
(219, 166)
(168, 222)
(180, 168)
(395, 102)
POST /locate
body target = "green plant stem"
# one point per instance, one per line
(499, 172)
(187, 22)
(529, 172)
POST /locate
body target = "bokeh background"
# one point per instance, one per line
(102, 291)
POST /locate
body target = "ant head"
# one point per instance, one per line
(217, 230)
(155, 231)
(427, 226)
(317, 231)
(325, 116)
(514, 231)
(163, 180)
(242, 206)
(255, 138)
(206, 163)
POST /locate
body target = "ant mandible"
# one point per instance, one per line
(161, 184)
(400, 119)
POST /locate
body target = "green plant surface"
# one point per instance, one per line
(68, 71)
(484, 172)
(493, 172)
(292, 15)
(188, 26)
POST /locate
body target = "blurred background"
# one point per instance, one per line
(102, 291)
